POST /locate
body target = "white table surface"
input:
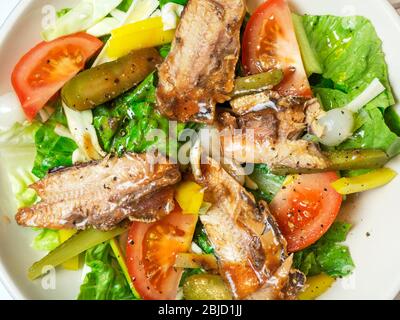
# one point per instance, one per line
(5, 9)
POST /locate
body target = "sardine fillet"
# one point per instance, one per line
(200, 69)
(102, 194)
(245, 237)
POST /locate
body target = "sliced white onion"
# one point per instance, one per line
(118, 14)
(170, 14)
(10, 111)
(84, 133)
(139, 10)
(156, 13)
(63, 131)
(374, 89)
(338, 126)
(195, 158)
(196, 249)
(184, 153)
(104, 27)
(79, 157)
(44, 115)
(80, 18)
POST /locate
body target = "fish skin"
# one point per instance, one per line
(272, 135)
(249, 247)
(102, 193)
(200, 69)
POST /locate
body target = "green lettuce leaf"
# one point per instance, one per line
(63, 12)
(337, 232)
(164, 50)
(327, 255)
(334, 259)
(181, 2)
(351, 54)
(46, 240)
(331, 98)
(306, 262)
(374, 134)
(125, 5)
(200, 238)
(268, 183)
(124, 124)
(52, 150)
(17, 154)
(105, 281)
(17, 151)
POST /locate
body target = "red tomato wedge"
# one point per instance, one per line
(41, 72)
(306, 208)
(269, 41)
(151, 253)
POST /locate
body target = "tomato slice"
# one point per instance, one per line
(306, 208)
(151, 253)
(269, 41)
(41, 72)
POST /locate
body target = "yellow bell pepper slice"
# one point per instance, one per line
(289, 180)
(73, 263)
(143, 25)
(315, 286)
(143, 34)
(370, 180)
(189, 196)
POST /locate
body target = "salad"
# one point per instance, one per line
(197, 150)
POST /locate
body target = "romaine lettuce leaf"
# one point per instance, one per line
(374, 134)
(17, 151)
(334, 259)
(327, 255)
(46, 240)
(124, 124)
(105, 281)
(200, 238)
(351, 55)
(181, 2)
(117, 123)
(331, 98)
(125, 5)
(63, 12)
(83, 133)
(268, 183)
(17, 154)
(52, 150)
(164, 50)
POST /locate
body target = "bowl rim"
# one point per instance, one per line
(5, 279)
(8, 23)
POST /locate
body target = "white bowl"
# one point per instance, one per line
(377, 257)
